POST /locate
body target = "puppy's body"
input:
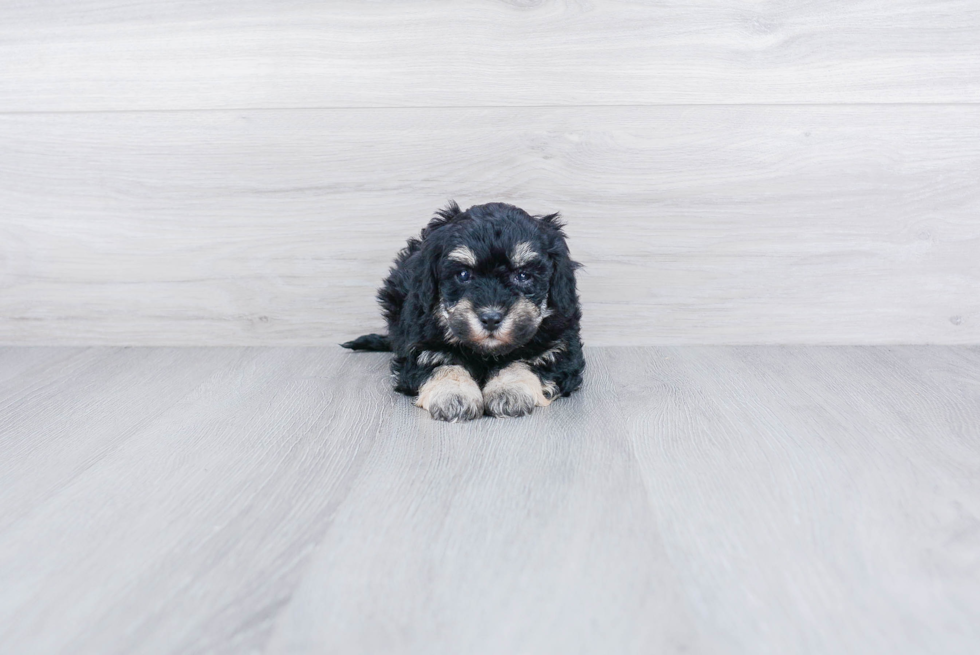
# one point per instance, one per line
(487, 294)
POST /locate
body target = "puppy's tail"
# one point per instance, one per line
(370, 342)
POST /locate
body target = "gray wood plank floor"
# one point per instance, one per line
(701, 499)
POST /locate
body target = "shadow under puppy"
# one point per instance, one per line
(483, 315)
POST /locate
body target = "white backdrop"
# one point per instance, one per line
(733, 172)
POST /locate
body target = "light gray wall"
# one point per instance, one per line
(243, 172)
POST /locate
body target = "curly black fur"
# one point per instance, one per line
(441, 294)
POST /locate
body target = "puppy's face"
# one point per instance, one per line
(493, 287)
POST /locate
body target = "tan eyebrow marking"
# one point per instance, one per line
(522, 254)
(463, 255)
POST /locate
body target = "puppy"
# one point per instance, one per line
(483, 315)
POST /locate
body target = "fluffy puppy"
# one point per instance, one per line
(482, 313)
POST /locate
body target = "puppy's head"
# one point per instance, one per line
(500, 274)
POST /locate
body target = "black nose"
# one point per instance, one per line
(491, 319)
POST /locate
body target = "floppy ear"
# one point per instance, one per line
(423, 283)
(423, 295)
(562, 294)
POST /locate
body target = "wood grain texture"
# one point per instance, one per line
(96, 55)
(84, 423)
(828, 506)
(165, 500)
(687, 500)
(496, 536)
(805, 500)
(696, 224)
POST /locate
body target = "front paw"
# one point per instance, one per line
(450, 394)
(455, 407)
(508, 401)
(516, 391)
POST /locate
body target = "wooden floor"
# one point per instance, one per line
(687, 500)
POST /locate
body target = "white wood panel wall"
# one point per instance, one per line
(187, 54)
(242, 173)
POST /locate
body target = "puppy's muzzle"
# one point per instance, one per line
(489, 328)
(490, 319)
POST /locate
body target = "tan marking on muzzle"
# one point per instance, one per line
(523, 311)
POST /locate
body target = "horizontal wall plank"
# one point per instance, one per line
(696, 224)
(96, 55)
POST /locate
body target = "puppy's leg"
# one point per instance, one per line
(562, 364)
(451, 394)
(516, 390)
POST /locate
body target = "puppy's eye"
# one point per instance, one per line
(463, 276)
(522, 277)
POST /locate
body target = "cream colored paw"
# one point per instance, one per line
(451, 394)
(515, 391)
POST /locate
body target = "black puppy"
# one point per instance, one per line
(482, 313)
